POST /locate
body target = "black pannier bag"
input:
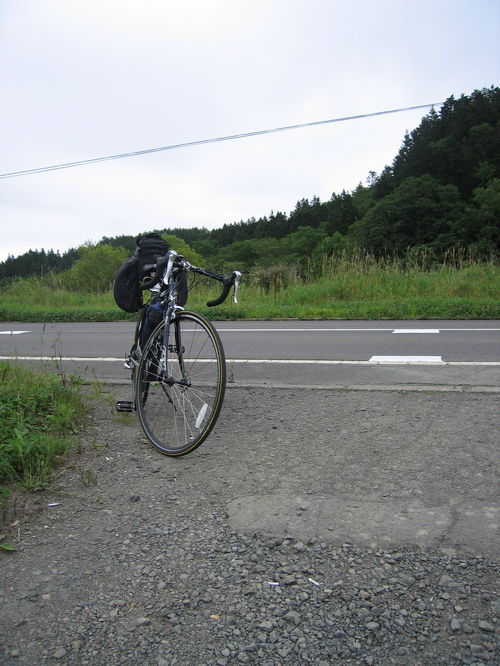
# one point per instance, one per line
(126, 291)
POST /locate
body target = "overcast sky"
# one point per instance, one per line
(85, 79)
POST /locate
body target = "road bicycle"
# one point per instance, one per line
(178, 365)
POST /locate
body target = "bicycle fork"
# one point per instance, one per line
(176, 351)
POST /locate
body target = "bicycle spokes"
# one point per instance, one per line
(185, 384)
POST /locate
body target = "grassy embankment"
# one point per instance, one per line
(38, 414)
(345, 288)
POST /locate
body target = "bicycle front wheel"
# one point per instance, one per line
(179, 389)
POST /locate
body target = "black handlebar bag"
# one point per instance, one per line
(126, 290)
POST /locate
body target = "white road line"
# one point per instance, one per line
(105, 359)
(351, 330)
(416, 330)
(301, 330)
(327, 330)
(407, 359)
(384, 360)
(306, 361)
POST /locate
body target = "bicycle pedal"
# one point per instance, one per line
(130, 363)
(125, 406)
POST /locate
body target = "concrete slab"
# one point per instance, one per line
(369, 522)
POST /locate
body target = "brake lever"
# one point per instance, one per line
(237, 277)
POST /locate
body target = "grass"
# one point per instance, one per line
(364, 288)
(345, 287)
(384, 290)
(38, 413)
(44, 300)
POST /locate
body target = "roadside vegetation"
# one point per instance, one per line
(348, 286)
(361, 286)
(39, 413)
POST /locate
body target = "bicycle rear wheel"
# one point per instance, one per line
(179, 391)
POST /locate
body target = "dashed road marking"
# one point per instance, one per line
(416, 330)
(407, 359)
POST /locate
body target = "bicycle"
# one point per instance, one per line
(179, 367)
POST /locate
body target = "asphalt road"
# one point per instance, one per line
(408, 459)
(410, 354)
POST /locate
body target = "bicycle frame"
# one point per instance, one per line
(163, 284)
(172, 307)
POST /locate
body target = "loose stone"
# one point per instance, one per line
(372, 626)
(485, 626)
(59, 653)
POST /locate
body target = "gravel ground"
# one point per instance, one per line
(141, 559)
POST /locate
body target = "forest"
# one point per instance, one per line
(440, 194)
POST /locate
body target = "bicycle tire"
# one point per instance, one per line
(178, 402)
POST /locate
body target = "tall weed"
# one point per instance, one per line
(350, 284)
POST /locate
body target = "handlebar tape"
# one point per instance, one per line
(228, 283)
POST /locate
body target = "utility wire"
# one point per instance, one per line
(231, 137)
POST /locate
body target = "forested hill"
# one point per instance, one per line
(441, 191)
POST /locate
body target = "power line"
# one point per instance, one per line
(231, 137)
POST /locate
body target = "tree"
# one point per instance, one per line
(340, 213)
(277, 226)
(301, 243)
(96, 269)
(480, 223)
(126, 242)
(419, 212)
(334, 245)
(247, 253)
(181, 247)
(207, 247)
(37, 262)
(306, 214)
(362, 199)
(450, 145)
(191, 235)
